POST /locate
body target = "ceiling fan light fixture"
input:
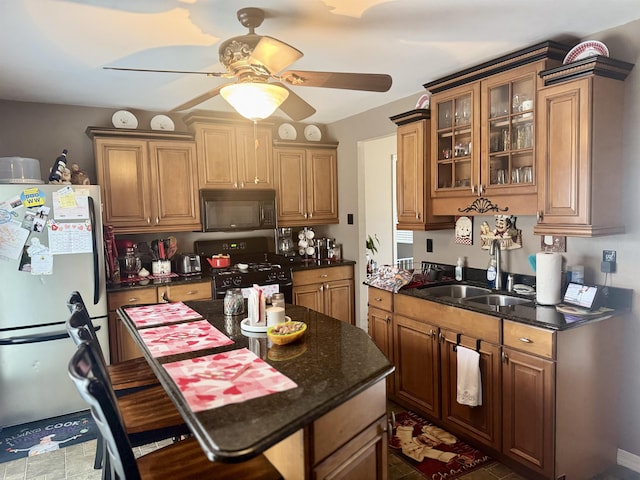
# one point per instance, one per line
(255, 101)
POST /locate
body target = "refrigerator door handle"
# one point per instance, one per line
(37, 338)
(96, 266)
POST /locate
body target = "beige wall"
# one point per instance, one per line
(42, 131)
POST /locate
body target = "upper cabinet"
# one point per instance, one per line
(483, 137)
(580, 148)
(148, 180)
(232, 153)
(413, 173)
(306, 182)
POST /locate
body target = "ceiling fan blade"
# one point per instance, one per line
(208, 74)
(274, 54)
(371, 82)
(295, 107)
(199, 99)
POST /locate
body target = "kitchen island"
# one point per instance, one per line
(334, 420)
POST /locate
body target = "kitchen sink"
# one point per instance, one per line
(496, 300)
(455, 291)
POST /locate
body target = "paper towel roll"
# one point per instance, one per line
(548, 278)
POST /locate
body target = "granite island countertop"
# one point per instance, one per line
(331, 364)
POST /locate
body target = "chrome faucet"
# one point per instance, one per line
(494, 250)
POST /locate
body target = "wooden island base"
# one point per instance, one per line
(348, 442)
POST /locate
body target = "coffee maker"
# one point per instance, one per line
(285, 242)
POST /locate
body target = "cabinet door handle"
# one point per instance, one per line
(388, 318)
(480, 189)
(432, 334)
(241, 184)
(324, 275)
(505, 358)
(165, 298)
(441, 337)
(525, 340)
(321, 288)
(377, 299)
(132, 300)
(148, 220)
(157, 220)
(539, 215)
(235, 184)
(473, 189)
(305, 215)
(311, 215)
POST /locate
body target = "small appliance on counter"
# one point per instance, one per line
(187, 264)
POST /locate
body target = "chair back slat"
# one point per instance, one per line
(85, 372)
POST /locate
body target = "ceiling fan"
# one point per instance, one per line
(259, 59)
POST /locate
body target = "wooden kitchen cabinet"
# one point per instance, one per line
(413, 173)
(148, 180)
(483, 139)
(580, 142)
(328, 290)
(483, 423)
(380, 326)
(227, 153)
(122, 346)
(349, 442)
(306, 182)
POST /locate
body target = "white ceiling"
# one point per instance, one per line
(53, 51)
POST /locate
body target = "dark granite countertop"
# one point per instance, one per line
(531, 313)
(157, 282)
(313, 264)
(332, 363)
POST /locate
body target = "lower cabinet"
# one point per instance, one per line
(481, 422)
(349, 442)
(380, 326)
(546, 394)
(122, 346)
(327, 290)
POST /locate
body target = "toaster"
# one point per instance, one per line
(187, 264)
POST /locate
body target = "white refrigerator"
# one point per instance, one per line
(50, 245)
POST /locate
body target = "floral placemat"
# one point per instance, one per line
(224, 378)
(183, 338)
(161, 313)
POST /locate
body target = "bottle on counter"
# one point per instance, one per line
(491, 272)
(459, 269)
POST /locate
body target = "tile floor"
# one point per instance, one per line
(76, 463)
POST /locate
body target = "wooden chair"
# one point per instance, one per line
(181, 460)
(126, 376)
(149, 414)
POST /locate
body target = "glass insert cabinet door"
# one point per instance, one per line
(511, 133)
(456, 122)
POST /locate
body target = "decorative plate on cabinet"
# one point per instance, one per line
(124, 119)
(586, 49)
(312, 133)
(287, 132)
(162, 122)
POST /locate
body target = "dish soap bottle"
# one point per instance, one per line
(491, 271)
(459, 266)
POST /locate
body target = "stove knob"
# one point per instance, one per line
(237, 281)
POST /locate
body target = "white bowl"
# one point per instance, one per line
(243, 266)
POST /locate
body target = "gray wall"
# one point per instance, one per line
(42, 131)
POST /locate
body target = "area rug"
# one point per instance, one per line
(434, 452)
(36, 438)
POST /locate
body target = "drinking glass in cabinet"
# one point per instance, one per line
(463, 110)
(444, 114)
(527, 175)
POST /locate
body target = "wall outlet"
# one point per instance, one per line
(609, 256)
(429, 245)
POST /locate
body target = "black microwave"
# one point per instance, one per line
(232, 210)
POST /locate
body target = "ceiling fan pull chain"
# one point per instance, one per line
(256, 144)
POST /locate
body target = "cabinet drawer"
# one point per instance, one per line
(185, 292)
(380, 299)
(131, 297)
(527, 338)
(320, 275)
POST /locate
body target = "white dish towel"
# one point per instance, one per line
(469, 378)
